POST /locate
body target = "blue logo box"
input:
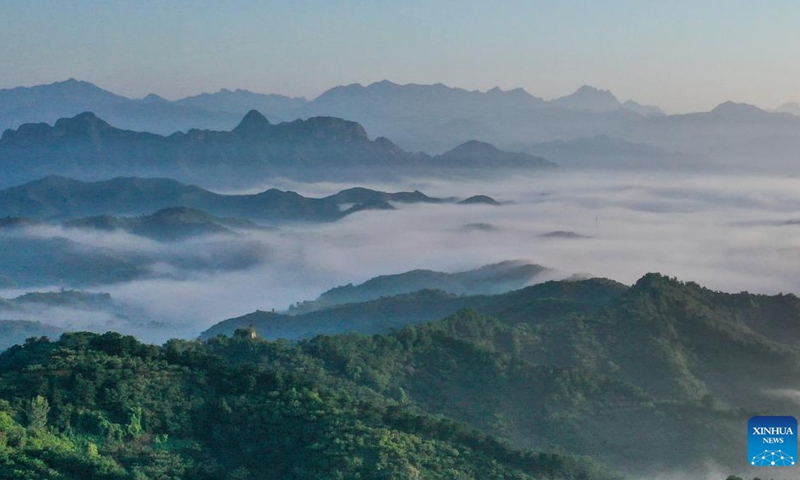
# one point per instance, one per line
(772, 441)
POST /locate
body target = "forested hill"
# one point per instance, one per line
(654, 379)
(550, 300)
(108, 407)
(591, 366)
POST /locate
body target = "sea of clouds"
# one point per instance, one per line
(729, 233)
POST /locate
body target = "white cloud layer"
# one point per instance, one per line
(724, 232)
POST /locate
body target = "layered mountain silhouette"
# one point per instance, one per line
(488, 279)
(238, 102)
(48, 103)
(63, 198)
(384, 313)
(429, 118)
(223, 109)
(597, 100)
(603, 152)
(475, 154)
(59, 198)
(256, 150)
(173, 223)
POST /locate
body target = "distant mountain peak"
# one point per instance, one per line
(735, 108)
(475, 153)
(514, 92)
(73, 82)
(331, 128)
(384, 83)
(252, 122)
(479, 199)
(590, 90)
(589, 98)
(595, 99)
(644, 110)
(434, 96)
(475, 146)
(153, 98)
(82, 123)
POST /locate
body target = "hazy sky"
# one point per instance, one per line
(681, 55)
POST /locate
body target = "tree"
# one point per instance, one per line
(38, 408)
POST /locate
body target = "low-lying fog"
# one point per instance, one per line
(728, 233)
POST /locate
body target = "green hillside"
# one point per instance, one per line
(382, 315)
(109, 407)
(654, 379)
(663, 368)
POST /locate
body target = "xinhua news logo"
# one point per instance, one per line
(772, 441)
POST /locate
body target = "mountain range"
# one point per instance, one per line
(61, 198)
(607, 153)
(64, 232)
(221, 110)
(256, 150)
(430, 118)
(167, 224)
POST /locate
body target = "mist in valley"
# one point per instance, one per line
(729, 233)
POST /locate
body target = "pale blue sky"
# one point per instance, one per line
(681, 55)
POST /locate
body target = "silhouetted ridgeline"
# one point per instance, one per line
(56, 197)
(317, 148)
(435, 118)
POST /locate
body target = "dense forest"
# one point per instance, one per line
(560, 381)
(109, 407)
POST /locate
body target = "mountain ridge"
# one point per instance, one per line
(58, 197)
(255, 150)
(434, 118)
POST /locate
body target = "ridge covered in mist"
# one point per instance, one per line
(56, 197)
(488, 279)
